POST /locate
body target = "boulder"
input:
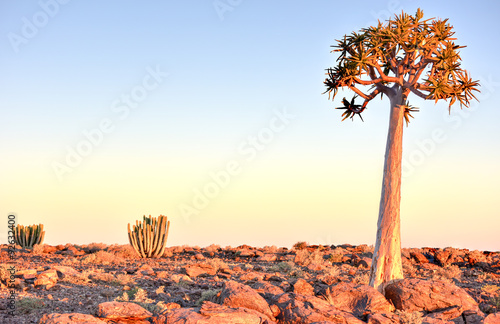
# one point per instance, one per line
(195, 270)
(211, 313)
(303, 287)
(309, 309)
(267, 258)
(418, 257)
(46, 279)
(444, 315)
(358, 299)
(69, 319)
(428, 295)
(235, 295)
(122, 310)
(383, 318)
(492, 319)
(441, 257)
(267, 289)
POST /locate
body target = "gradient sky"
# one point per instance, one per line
(212, 113)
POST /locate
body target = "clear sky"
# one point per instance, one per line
(212, 113)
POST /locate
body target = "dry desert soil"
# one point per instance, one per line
(244, 284)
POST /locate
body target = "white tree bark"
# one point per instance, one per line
(386, 264)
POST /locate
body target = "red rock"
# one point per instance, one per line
(235, 295)
(358, 299)
(383, 318)
(364, 262)
(47, 278)
(49, 248)
(27, 273)
(492, 319)
(303, 287)
(162, 274)
(267, 289)
(444, 315)
(125, 310)
(69, 319)
(309, 309)
(428, 295)
(246, 254)
(441, 257)
(419, 257)
(267, 258)
(199, 256)
(146, 269)
(211, 313)
(194, 270)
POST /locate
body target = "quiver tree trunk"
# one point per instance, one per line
(386, 264)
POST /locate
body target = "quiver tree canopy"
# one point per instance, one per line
(407, 53)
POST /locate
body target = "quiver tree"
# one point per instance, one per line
(406, 55)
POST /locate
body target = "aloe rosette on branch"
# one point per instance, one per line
(149, 237)
(28, 236)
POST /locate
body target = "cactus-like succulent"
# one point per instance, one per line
(149, 237)
(28, 236)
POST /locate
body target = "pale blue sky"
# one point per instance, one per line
(317, 180)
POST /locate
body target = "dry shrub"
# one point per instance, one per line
(125, 280)
(4, 273)
(103, 277)
(300, 245)
(448, 273)
(217, 263)
(306, 258)
(94, 247)
(210, 295)
(125, 251)
(27, 305)
(409, 317)
(283, 266)
(38, 249)
(80, 278)
(361, 278)
(103, 258)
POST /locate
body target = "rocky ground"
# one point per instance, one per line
(97, 283)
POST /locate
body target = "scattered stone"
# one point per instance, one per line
(358, 299)
(309, 309)
(492, 319)
(428, 295)
(419, 257)
(211, 313)
(46, 279)
(195, 270)
(234, 294)
(303, 287)
(146, 269)
(383, 318)
(56, 318)
(267, 258)
(441, 257)
(122, 310)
